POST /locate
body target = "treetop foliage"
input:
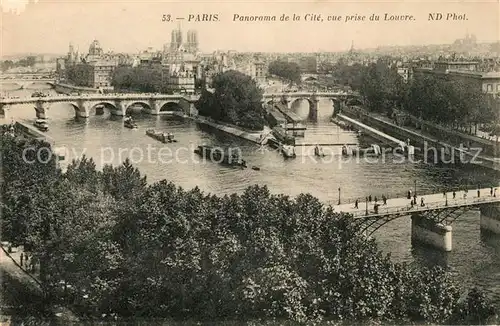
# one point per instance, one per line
(237, 99)
(286, 70)
(140, 79)
(129, 249)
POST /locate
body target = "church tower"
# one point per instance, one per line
(192, 41)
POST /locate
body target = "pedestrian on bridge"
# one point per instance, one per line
(376, 199)
(356, 204)
(384, 199)
(370, 198)
(415, 198)
(495, 192)
(22, 259)
(478, 193)
(491, 191)
(454, 194)
(422, 202)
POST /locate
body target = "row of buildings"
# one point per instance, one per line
(469, 71)
(182, 65)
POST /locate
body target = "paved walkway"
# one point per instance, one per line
(10, 263)
(431, 202)
(369, 129)
(433, 139)
(254, 137)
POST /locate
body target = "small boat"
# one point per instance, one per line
(219, 155)
(373, 150)
(130, 124)
(41, 124)
(161, 136)
(37, 94)
(256, 168)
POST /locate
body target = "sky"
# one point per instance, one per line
(130, 26)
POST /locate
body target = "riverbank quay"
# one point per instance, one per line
(374, 133)
(22, 297)
(31, 132)
(68, 89)
(421, 140)
(257, 137)
(489, 146)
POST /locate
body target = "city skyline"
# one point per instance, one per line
(133, 27)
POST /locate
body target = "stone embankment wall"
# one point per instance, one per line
(68, 89)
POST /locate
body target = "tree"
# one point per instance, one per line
(382, 87)
(7, 64)
(237, 99)
(80, 74)
(128, 249)
(140, 79)
(286, 70)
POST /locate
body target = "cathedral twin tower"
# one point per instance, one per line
(177, 42)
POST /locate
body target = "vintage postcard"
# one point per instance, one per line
(250, 162)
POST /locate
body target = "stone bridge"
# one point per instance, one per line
(338, 99)
(117, 104)
(25, 83)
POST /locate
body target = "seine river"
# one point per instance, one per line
(475, 259)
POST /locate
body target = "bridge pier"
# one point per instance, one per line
(313, 110)
(82, 113)
(82, 109)
(155, 107)
(120, 110)
(41, 109)
(428, 232)
(4, 111)
(490, 218)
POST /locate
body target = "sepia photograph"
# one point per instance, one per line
(250, 162)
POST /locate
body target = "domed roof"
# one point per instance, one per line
(95, 48)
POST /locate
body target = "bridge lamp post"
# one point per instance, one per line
(339, 195)
(446, 200)
(415, 187)
(366, 204)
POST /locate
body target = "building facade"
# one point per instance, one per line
(98, 67)
(181, 62)
(485, 82)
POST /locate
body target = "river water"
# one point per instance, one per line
(475, 258)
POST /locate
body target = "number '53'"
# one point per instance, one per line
(166, 18)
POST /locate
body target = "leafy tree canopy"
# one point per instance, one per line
(140, 79)
(287, 70)
(111, 245)
(236, 99)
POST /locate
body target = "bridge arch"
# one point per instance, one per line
(137, 106)
(309, 78)
(354, 101)
(98, 107)
(311, 112)
(171, 106)
(444, 215)
(11, 86)
(33, 85)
